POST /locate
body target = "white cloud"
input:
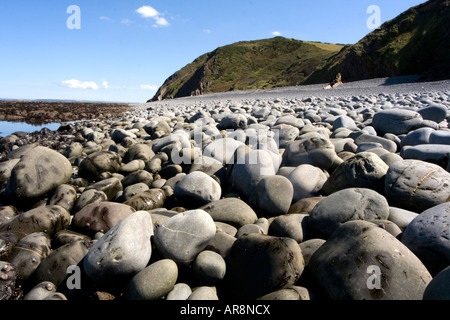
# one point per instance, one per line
(149, 87)
(147, 12)
(207, 31)
(106, 19)
(77, 84)
(161, 22)
(276, 33)
(105, 84)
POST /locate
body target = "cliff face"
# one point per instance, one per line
(417, 42)
(260, 64)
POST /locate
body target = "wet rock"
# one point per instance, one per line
(8, 278)
(428, 236)
(345, 205)
(416, 185)
(110, 187)
(48, 219)
(344, 265)
(123, 251)
(185, 235)
(88, 197)
(101, 216)
(54, 267)
(99, 162)
(64, 196)
(154, 282)
(260, 264)
(29, 253)
(38, 173)
(147, 200)
(40, 291)
(233, 211)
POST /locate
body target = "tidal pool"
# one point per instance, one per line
(7, 128)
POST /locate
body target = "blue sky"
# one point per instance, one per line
(124, 50)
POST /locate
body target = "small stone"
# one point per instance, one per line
(197, 188)
(123, 251)
(209, 267)
(183, 236)
(306, 188)
(147, 200)
(181, 291)
(416, 185)
(233, 211)
(345, 205)
(396, 121)
(154, 282)
(260, 264)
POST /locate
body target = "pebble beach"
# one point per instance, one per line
(295, 193)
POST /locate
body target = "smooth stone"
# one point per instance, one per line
(402, 218)
(54, 267)
(75, 149)
(344, 122)
(232, 122)
(306, 188)
(48, 219)
(28, 253)
(248, 229)
(123, 251)
(222, 150)
(363, 170)
(132, 166)
(314, 150)
(416, 185)
(272, 196)
(343, 266)
(440, 137)
(118, 135)
(285, 135)
(437, 289)
(40, 291)
(305, 205)
(434, 112)
(100, 216)
(147, 200)
(7, 213)
(65, 196)
(183, 236)
(8, 241)
(309, 247)
(209, 267)
(180, 292)
(416, 137)
(290, 226)
(434, 153)
(38, 173)
(140, 176)
(250, 167)
(154, 282)
(6, 169)
(233, 211)
(389, 226)
(260, 264)
(396, 121)
(346, 205)
(133, 190)
(197, 188)
(221, 243)
(204, 293)
(88, 197)
(99, 162)
(428, 236)
(387, 144)
(111, 187)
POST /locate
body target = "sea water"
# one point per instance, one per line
(7, 128)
